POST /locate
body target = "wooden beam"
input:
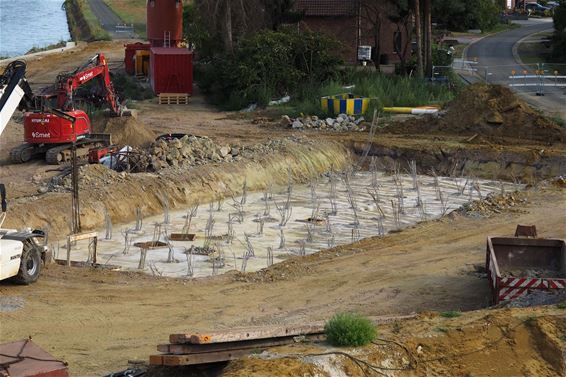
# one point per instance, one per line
(82, 236)
(264, 332)
(199, 358)
(235, 335)
(182, 349)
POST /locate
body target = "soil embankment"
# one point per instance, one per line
(121, 193)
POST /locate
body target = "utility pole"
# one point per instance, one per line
(75, 209)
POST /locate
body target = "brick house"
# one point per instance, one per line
(353, 24)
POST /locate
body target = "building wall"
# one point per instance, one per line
(342, 28)
(345, 30)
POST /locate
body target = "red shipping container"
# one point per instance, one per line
(171, 70)
(131, 52)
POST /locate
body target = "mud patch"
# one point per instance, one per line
(11, 304)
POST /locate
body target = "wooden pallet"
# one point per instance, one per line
(173, 99)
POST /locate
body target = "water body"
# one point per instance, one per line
(25, 24)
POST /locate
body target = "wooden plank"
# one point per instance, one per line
(263, 332)
(182, 349)
(156, 359)
(82, 236)
(235, 335)
(201, 358)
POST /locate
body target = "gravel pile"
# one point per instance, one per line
(342, 123)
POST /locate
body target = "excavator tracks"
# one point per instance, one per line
(22, 153)
(62, 153)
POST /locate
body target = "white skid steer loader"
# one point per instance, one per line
(22, 253)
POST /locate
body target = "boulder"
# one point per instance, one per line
(285, 121)
(330, 121)
(297, 124)
(235, 151)
(224, 151)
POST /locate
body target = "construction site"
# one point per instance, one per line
(162, 236)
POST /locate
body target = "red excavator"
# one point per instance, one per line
(48, 134)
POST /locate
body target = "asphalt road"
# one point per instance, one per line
(496, 61)
(108, 19)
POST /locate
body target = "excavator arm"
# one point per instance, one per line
(15, 92)
(96, 67)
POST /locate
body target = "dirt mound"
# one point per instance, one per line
(126, 131)
(488, 111)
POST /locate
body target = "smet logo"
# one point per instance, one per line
(40, 135)
(86, 76)
(40, 120)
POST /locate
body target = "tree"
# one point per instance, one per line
(371, 12)
(232, 19)
(401, 13)
(418, 34)
(428, 37)
(278, 12)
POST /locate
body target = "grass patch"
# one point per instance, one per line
(384, 91)
(52, 46)
(96, 30)
(131, 12)
(349, 330)
(562, 305)
(451, 314)
(83, 23)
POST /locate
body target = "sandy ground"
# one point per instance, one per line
(97, 320)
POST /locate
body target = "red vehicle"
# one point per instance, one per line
(52, 136)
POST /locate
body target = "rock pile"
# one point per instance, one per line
(190, 151)
(342, 123)
(493, 204)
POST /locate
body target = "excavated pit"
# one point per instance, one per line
(245, 234)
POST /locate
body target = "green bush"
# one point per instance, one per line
(349, 330)
(267, 65)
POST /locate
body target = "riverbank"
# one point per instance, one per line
(83, 24)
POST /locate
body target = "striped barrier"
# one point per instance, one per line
(512, 288)
(344, 104)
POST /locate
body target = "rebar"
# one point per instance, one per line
(269, 256)
(396, 213)
(127, 240)
(355, 234)
(331, 241)
(143, 254)
(244, 192)
(443, 203)
(165, 204)
(139, 219)
(302, 247)
(310, 228)
(191, 213)
(281, 238)
(108, 224)
(351, 198)
(249, 246)
(413, 170)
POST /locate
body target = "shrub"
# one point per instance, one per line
(450, 314)
(349, 330)
(269, 64)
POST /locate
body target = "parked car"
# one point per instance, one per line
(536, 8)
(552, 4)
